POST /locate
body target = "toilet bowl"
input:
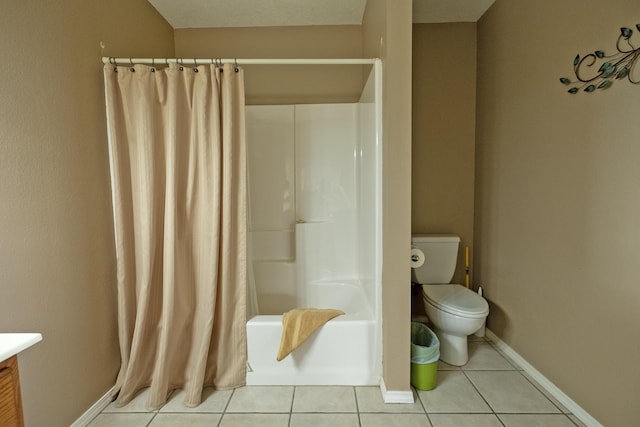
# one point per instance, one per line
(455, 312)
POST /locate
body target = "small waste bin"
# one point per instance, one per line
(425, 352)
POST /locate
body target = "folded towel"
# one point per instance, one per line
(298, 325)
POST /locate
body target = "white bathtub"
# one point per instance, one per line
(342, 352)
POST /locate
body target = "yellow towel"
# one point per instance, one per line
(298, 325)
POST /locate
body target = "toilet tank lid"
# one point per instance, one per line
(435, 238)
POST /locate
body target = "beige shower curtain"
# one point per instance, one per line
(177, 151)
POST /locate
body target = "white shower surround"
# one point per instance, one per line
(321, 246)
(339, 353)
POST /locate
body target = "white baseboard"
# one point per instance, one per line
(554, 391)
(94, 411)
(391, 396)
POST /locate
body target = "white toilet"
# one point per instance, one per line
(454, 310)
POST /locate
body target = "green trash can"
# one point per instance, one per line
(425, 352)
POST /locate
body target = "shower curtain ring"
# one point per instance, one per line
(235, 61)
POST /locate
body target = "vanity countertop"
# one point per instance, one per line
(12, 344)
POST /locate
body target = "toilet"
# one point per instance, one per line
(454, 310)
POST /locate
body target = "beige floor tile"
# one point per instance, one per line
(464, 420)
(461, 398)
(137, 404)
(324, 420)
(324, 399)
(253, 420)
(483, 357)
(121, 420)
(535, 420)
(191, 420)
(261, 399)
(394, 420)
(546, 393)
(510, 392)
(454, 393)
(370, 400)
(515, 365)
(212, 401)
(443, 366)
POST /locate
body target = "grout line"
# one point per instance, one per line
(226, 406)
(500, 420)
(576, 410)
(325, 412)
(151, 420)
(417, 393)
(355, 396)
(293, 398)
(516, 368)
(563, 410)
(543, 392)
(538, 388)
(531, 413)
(479, 393)
(512, 362)
(429, 418)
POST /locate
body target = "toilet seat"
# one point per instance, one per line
(456, 299)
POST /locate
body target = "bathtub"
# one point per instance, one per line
(342, 352)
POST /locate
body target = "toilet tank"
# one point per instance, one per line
(440, 257)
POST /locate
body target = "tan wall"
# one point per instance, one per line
(443, 132)
(557, 204)
(274, 84)
(390, 20)
(57, 263)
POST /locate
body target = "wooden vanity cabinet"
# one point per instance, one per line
(10, 400)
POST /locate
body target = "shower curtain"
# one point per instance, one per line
(178, 170)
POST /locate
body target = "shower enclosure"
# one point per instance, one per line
(314, 236)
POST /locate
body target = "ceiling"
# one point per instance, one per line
(436, 11)
(275, 13)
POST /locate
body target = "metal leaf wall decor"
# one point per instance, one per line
(617, 66)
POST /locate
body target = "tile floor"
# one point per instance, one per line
(488, 391)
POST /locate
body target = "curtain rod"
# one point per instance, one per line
(207, 61)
